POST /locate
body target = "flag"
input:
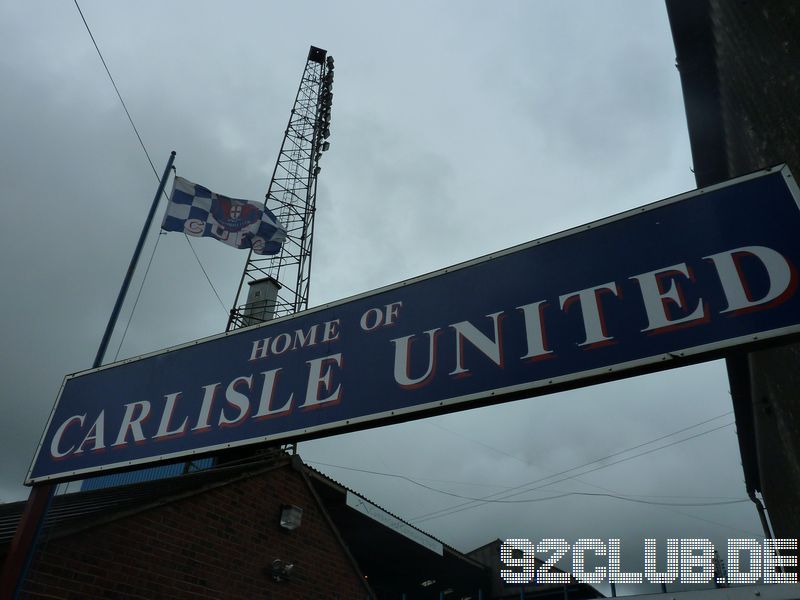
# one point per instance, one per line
(198, 211)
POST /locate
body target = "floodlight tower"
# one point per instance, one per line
(278, 285)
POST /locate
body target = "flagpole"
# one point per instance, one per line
(20, 553)
(101, 351)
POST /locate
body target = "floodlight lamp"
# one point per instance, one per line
(326, 146)
(326, 134)
(291, 515)
(317, 169)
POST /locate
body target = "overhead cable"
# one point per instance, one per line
(149, 160)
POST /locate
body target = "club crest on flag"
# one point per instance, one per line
(233, 215)
(197, 211)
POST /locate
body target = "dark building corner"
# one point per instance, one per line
(738, 64)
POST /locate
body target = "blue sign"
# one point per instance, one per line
(675, 281)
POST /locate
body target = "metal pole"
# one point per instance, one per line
(762, 514)
(20, 553)
(101, 351)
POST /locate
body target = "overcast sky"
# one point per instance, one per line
(459, 128)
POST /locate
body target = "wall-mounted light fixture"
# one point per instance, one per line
(280, 570)
(291, 516)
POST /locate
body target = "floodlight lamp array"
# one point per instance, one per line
(323, 125)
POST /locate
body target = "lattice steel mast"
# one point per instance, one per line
(278, 285)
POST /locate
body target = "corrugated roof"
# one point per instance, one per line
(319, 474)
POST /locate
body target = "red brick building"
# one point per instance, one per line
(213, 534)
(218, 534)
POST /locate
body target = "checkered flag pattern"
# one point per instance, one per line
(196, 210)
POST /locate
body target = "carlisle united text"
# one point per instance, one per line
(262, 392)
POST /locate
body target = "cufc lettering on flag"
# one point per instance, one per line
(197, 211)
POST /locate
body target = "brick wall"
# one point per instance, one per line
(215, 544)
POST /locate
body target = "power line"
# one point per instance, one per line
(149, 160)
(531, 464)
(531, 500)
(725, 526)
(525, 462)
(136, 301)
(631, 497)
(116, 89)
(206, 274)
(612, 455)
(480, 443)
(480, 501)
(504, 495)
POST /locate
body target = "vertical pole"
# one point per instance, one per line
(20, 553)
(613, 590)
(762, 515)
(126, 282)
